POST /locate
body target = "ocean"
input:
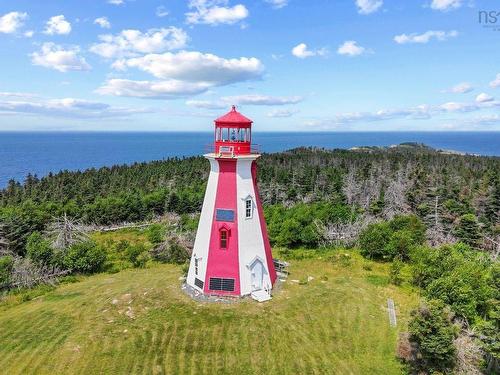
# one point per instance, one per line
(41, 153)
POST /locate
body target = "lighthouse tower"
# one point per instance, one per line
(231, 254)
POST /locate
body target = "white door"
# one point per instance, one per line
(257, 271)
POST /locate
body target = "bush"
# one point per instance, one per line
(39, 249)
(432, 334)
(395, 271)
(155, 233)
(456, 275)
(395, 238)
(374, 239)
(6, 265)
(85, 257)
(137, 255)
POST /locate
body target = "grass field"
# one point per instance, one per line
(138, 321)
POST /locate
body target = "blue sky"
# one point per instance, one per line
(296, 65)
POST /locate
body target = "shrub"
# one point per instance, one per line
(6, 265)
(39, 249)
(374, 239)
(395, 271)
(137, 255)
(85, 257)
(386, 240)
(155, 233)
(432, 334)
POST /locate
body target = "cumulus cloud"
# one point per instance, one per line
(192, 66)
(182, 73)
(256, 99)
(461, 88)
(57, 25)
(59, 58)
(66, 108)
(116, 2)
(425, 37)
(368, 6)
(302, 51)
(103, 22)
(496, 82)
(280, 113)
(445, 5)
(169, 89)
(161, 11)
(484, 98)
(277, 4)
(133, 42)
(215, 12)
(29, 34)
(351, 48)
(12, 22)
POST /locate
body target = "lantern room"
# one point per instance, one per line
(233, 134)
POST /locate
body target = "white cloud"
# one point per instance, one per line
(445, 5)
(57, 25)
(65, 108)
(206, 104)
(133, 42)
(368, 6)
(56, 57)
(256, 99)
(461, 88)
(280, 113)
(192, 66)
(161, 11)
(103, 22)
(11, 22)
(277, 4)
(425, 37)
(351, 48)
(484, 98)
(496, 82)
(29, 34)
(215, 12)
(301, 51)
(116, 2)
(169, 89)
(418, 112)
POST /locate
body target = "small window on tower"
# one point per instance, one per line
(223, 239)
(248, 208)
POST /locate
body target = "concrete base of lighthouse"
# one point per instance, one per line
(231, 254)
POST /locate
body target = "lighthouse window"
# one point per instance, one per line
(223, 239)
(248, 208)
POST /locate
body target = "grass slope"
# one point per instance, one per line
(139, 322)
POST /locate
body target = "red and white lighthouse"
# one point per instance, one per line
(232, 254)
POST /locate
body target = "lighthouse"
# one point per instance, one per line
(231, 254)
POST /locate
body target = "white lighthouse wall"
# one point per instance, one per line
(202, 241)
(250, 241)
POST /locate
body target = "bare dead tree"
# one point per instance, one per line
(342, 234)
(395, 195)
(4, 243)
(65, 232)
(492, 245)
(469, 355)
(26, 274)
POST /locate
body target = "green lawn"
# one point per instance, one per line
(138, 321)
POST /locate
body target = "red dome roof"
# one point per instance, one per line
(233, 117)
